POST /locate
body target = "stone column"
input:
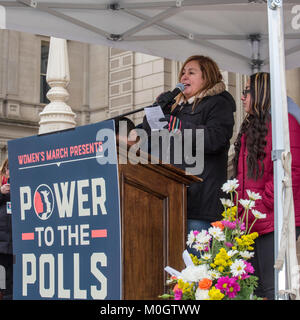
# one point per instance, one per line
(57, 115)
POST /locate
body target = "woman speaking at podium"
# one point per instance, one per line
(203, 104)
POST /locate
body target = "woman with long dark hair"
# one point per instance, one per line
(204, 104)
(254, 170)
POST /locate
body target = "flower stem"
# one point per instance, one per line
(247, 220)
(237, 202)
(244, 214)
(252, 225)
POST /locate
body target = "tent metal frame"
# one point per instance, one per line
(170, 8)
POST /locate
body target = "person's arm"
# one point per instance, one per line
(164, 101)
(268, 193)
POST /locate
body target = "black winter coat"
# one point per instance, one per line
(213, 114)
(5, 226)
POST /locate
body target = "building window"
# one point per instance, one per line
(44, 87)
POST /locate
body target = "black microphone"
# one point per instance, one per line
(179, 88)
(167, 97)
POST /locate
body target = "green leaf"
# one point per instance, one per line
(166, 296)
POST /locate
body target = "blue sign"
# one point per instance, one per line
(66, 214)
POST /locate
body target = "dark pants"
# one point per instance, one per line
(263, 263)
(6, 276)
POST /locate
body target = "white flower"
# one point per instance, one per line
(194, 273)
(201, 294)
(231, 253)
(191, 238)
(238, 268)
(246, 254)
(199, 246)
(206, 256)
(230, 185)
(227, 203)
(253, 196)
(247, 204)
(217, 233)
(214, 274)
(258, 215)
(203, 237)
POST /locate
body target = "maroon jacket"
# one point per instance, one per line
(265, 186)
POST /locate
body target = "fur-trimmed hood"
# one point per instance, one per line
(216, 89)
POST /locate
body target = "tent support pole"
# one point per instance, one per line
(278, 107)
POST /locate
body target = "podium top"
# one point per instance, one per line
(129, 153)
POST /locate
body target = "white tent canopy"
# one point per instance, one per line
(240, 35)
(175, 29)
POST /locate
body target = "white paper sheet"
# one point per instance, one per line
(153, 114)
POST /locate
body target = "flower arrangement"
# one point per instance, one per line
(220, 270)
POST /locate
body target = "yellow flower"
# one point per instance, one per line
(184, 286)
(246, 241)
(195, 260)
(253, 235)
(230, 213)
(222, 260)
(215, 294)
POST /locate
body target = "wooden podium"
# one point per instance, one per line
(153, 219)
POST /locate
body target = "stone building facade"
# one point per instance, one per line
(105, 82)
